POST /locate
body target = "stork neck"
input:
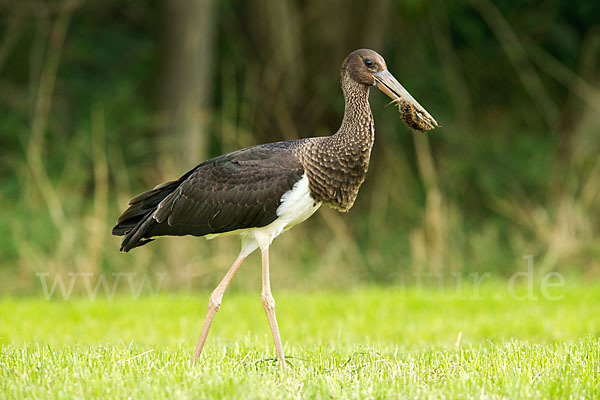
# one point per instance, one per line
(358, 120)
(336, 165)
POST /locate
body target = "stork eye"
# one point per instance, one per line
(369, 63)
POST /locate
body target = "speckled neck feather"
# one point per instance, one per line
(337, 165)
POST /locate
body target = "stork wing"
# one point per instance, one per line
(238, 190)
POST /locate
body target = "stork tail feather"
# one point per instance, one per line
(136, 221)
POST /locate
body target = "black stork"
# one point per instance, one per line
(262, 191)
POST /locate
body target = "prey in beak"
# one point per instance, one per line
(413, 114)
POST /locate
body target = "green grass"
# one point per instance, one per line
(363, 343)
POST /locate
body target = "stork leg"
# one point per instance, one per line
(214, 302)
(269, 305)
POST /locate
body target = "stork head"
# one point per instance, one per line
(368, 68)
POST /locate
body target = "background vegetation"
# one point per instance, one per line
(102, 99)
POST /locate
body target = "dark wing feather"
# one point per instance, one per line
(239, 190)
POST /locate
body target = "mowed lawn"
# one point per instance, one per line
(360, 343)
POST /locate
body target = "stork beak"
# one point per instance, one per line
(413, 115)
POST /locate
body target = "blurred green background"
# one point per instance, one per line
(100, 100)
